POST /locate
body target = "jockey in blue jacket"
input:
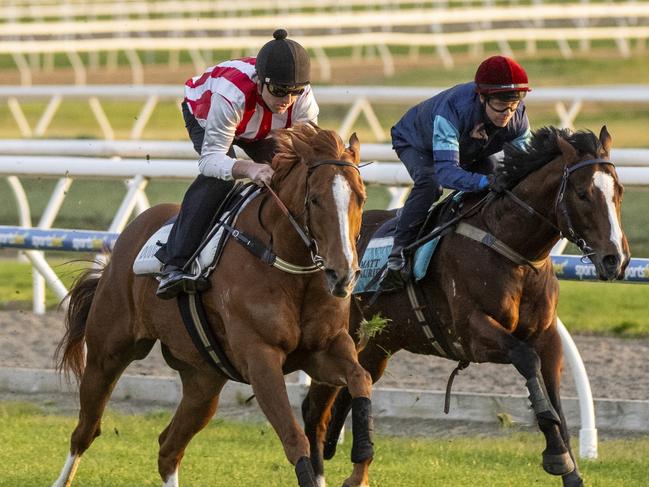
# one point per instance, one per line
(447, 140)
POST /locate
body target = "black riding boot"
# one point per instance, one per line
(202, 200)
(395, 275)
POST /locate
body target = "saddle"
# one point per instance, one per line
(208, 254)
(440, 213)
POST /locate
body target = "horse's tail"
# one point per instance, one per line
(70, 354)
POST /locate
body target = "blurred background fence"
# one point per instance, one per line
(89, 34)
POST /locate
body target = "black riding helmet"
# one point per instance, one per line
(283, 61)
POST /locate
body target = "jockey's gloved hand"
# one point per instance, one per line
(494, 183)
(259, 174)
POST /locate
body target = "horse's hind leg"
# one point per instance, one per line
(550, 351)
(200, 398)
(104, 365)
(490, 342)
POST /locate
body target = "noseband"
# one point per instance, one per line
(560, 205)
(305, 233)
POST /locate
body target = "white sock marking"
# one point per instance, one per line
(320, 481)
(342, 194)
(172, 480)
(604, 182)
(68, 471)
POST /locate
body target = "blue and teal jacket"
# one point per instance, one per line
(443, 125)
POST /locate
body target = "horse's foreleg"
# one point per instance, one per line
(490, 342)
(339, 412)
(339, 365)
(264, 371)
(373, 359)
(316, 413)
(550, 351)
(198, 405)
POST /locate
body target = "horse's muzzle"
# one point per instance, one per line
(609, 267)
(341, 284)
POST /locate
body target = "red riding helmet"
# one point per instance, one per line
(500, 74)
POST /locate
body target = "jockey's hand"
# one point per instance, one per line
(496, 183)
(259, 174)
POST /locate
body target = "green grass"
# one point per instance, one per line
(605, 308)
(237, 454)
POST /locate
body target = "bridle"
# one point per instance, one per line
(304, 232)
(561, 207)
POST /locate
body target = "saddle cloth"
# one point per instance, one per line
(378, 250)
(376, 256)
(146, 263)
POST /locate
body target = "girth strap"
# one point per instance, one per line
(195, 321)
(499, 246)
(431, 329)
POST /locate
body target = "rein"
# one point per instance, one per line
(560, 205)
(304, 233)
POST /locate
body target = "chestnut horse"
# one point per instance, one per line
(268, 322)
(488, 308)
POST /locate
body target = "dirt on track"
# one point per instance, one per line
(617, 367)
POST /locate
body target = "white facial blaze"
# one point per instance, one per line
(342, 194)
(605, 183)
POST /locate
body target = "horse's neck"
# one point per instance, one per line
(526, 233)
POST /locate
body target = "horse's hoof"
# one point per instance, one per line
(329, 450)
(560, 464)
(572, 480)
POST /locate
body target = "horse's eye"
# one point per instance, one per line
(315, 201)
(582, 195)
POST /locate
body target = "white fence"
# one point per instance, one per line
(567, 102)
(136, 27)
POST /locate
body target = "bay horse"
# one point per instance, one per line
(268, 322)
(484, 307)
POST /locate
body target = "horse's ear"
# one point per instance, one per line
(606, 140)
(355, 148)
(567, 150)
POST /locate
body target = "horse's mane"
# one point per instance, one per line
(305, 142)
(541, 149)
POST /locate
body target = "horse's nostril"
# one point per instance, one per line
(611, 261)
(331, 275)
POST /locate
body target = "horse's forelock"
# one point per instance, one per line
(305, 142)
(316, 144)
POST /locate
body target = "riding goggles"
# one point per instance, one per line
(500, 106)
(280, 91)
